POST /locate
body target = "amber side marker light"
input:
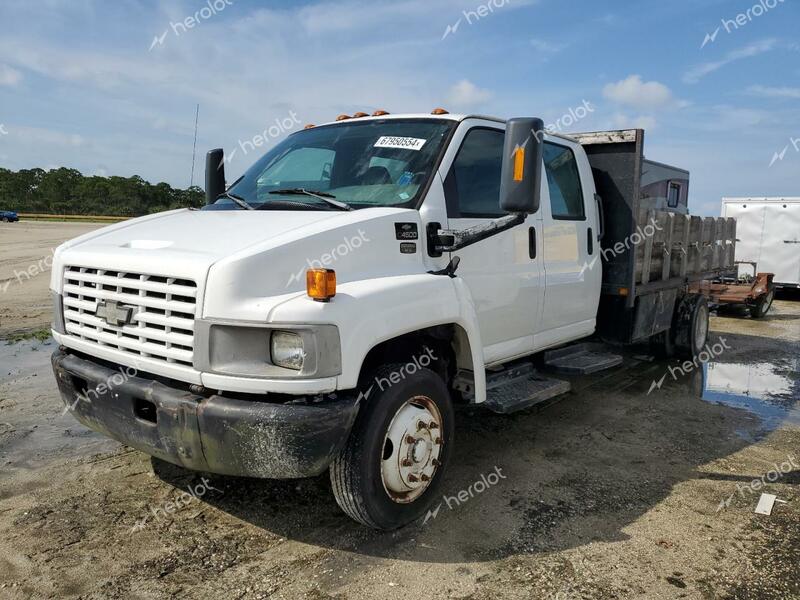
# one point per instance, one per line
(439, 111)
(519, 164)
(360, 115)
(321, 284)
(343, 117)
(380, 113)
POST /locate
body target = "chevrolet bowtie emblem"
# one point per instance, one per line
(114, 313)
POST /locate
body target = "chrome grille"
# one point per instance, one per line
(162, 321)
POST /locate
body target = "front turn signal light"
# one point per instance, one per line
(321, 284)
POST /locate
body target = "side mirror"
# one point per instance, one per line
(521, 176)
(215, 175)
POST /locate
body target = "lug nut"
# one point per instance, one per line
(424, 477)
(406, 462)
(421, 426)
(433, 425)
(413, 478)
(436, 462)
(438, 440)
(410, 439)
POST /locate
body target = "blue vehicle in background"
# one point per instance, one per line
(8, 216)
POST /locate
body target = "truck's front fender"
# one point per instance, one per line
(371, 311)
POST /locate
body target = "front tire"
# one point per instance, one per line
(391, 467)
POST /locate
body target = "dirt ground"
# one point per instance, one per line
(26, 252)
(637, 484)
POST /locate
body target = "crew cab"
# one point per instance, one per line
(328, 309)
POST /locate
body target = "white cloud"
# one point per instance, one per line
(622, 121)
(467, 94)
(697, 72)
(774, 92)
(547, 48)
(642, 95)
(8, 76)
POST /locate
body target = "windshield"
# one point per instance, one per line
(370, 163)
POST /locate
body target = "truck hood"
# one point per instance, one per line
(248, 256)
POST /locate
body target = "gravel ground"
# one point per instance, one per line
(623, 489)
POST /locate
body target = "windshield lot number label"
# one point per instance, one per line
(404, 143)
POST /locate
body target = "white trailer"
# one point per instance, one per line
(768, 233)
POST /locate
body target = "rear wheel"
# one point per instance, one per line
(761, 308)
(390, 469)
(691, 328)
(663, 344)
(5, 220)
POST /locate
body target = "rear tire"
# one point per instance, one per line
(761, 308)
(377, 478)
(663, 344)
(691, 328)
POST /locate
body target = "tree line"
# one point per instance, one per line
(68, 192)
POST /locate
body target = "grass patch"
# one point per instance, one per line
(39, 334)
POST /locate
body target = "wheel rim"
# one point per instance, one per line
(411, 449)
(701, 328)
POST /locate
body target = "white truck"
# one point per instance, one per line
(768, 232)
(328, 309)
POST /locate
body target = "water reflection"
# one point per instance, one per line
(771, 391)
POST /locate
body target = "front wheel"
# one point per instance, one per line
(391, 467)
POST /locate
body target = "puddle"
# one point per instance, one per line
(770, 391)
(23, 357)
(33, 426)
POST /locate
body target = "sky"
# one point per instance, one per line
(111, 88)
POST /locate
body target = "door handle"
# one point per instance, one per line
(589, 241)
(532, 242)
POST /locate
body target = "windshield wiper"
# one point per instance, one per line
(324, 196)
(237, 199)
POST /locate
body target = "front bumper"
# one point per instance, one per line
(213, 434)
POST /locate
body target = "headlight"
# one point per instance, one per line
(287, 350)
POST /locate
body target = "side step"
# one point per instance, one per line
(519, 388)
(581, 359)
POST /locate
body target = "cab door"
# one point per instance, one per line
(503, 272)
(572, 265)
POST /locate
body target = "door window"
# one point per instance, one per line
(564, 182)
(473, 185)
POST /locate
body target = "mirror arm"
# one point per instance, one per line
(450, 240)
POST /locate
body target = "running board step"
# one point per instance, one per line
(581, 359)
(520, 388)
